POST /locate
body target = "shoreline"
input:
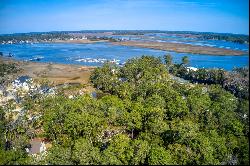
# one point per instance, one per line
(85, 41)
(182, 48)
(54, 72)
(164, 46)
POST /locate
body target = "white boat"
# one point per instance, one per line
(38, 58)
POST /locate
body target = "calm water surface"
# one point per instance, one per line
(76, 53)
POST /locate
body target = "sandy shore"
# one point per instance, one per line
(56, 73)
(181, 48)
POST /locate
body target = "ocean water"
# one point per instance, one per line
(96, 53)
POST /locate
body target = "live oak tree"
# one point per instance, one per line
(185, 60)
(142, 117)
(168, 60)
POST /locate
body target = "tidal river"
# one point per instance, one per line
(97, 53)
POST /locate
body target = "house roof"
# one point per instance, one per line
(35, 146)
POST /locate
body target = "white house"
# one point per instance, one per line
(192, 68)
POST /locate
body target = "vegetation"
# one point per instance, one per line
(185, 60)
(227, 37)
(34, 37)
(236, 38)
(64, 35)
(168, 60)
(94, 38)
(236, 81)
(143, 117)
(6, 69)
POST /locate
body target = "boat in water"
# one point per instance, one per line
(10, 55)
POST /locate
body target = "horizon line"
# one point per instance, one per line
(120, 30)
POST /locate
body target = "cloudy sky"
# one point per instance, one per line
(229, 16)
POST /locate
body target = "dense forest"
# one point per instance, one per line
(236, 81)
(140, 116)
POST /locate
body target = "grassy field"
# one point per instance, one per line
(182, 48)
(56, 73)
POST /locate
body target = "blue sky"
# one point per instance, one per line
(229, 16)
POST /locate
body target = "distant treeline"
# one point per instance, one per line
(34, 37)
(237, 38)
(228, 37)
(40, 36)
